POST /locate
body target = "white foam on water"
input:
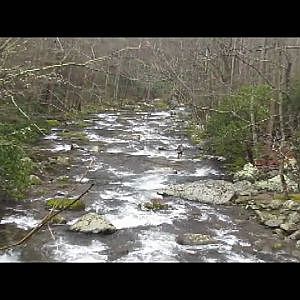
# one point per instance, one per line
(23, 222)
(61, 147)
(148, 182)
(205, 172)
(235, 257)
(130, 215)
(115, 150)
(97, 166)
(109, 117)
(10, 256)
(52, 136)
(97, 138)
(78, 178)
(156, 246)
(63, 251)
(161, 114)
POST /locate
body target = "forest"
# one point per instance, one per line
(134, 125)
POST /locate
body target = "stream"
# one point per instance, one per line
(137, 157)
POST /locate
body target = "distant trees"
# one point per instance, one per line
(59, 75)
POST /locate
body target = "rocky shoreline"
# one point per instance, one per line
(261, 197)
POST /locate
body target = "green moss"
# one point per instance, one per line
(53, 123)
(74, 135)
(58, 220)
(155, 205)
(61, 203)
(295, 197)
(161, 105)
(277, 246)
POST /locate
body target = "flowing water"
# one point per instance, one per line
(138, 156)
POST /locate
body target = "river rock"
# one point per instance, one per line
(58, 220)
(295, 235)
(35, 180)
(154, 204)
(93, 223)
(249, 173)
(194, 239)
(277, 246)
(298, 245)
(273, 223)
(206, 191)
(274, 184)
(290, 204)
(244, 188)
(265, 216)
(289, 227)
(274, 204)
(63, 160)
(242, 199)
(279, 232)
(294, 217)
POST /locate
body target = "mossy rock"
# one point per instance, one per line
(35, 180)
(63, 160)
(155, 205)
(277, 246)
(58, 220)
(60, 203)
(74, 135)
(53, 123)
(295, 197)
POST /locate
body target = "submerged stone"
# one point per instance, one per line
(277, 246)
(155, 204)
(58, 220)
(194, 239)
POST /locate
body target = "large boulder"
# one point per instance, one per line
(194, 239)
(206, 191)
(93, 223)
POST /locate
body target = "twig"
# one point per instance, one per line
(52, 235)
(45, 220)
(25, 115)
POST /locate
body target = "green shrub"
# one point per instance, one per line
(15, 169)
(228, 129)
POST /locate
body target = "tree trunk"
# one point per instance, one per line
(282, 133)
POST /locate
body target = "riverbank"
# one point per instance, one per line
(129, 156)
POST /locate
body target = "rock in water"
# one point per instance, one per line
(35, 180)
(194, 239)
(93, 223)
(206, 191)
